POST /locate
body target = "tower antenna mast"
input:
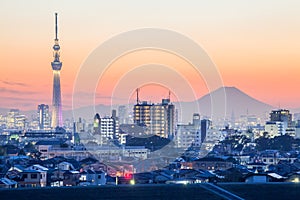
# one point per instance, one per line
(56, 30)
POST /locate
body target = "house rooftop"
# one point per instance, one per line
(7, 181)
(211, 159)
(49, 142)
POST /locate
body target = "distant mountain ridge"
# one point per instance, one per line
(237, 103)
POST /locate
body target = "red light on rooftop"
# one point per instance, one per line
(128, 175)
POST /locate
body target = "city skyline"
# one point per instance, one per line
(197, 97)
(255, 46)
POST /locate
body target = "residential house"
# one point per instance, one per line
(193, 176)
(65, 166)
(144, 177)
(33, 178)
(234, 174)
(37, 167)
(257, 166)
(183, 181)
(294, 178)
(212, 163)
(91, 177)
(263, 178)
(71, 178)
(46, 147)
(7, 183)
(257, 178)
(53, 162)
(161, 176)
(14, 172)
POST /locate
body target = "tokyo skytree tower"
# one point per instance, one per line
(56, 99)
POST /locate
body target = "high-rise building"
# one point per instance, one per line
(123, 115)
(97, 124)
(188, 135)
(275, 128)
(280, 122)
(106, 128)
(44, 117)
(141, 114)
(56, 99)
(159, 119)
(3, 123)
(205, 125)
(281, 115)
(15, 120)
(11, 118)
(116, 126)
(80, 126)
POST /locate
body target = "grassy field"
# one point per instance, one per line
(247, 191)
(264, 191)
(111, 192)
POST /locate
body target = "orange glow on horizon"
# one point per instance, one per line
(255, 46)
(126, 64)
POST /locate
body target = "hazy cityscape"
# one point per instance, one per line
(137, 131)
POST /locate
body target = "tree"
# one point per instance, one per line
(263, 143)
(21, 152)
(281, 143)
(2, 151)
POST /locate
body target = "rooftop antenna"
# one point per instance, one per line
(137, 96)
(169, 96)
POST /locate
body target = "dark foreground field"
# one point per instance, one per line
(265, 191)
(246, 191)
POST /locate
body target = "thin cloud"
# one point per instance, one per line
(21, 99)
(14, 83)
(11, 91)
(110, 97)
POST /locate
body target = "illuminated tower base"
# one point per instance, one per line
(56, 102)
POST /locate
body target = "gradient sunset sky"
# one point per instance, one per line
(254, 44)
